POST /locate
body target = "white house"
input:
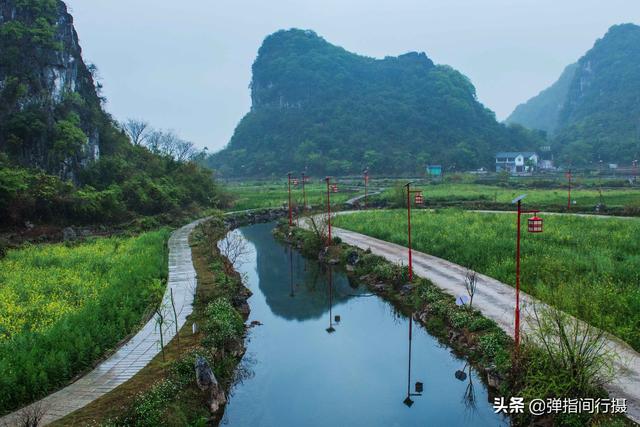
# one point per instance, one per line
(516, 162)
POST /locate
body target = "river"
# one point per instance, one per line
(331, 354)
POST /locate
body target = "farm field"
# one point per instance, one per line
(63, 306)
(275, 194)
(618, 200)
(589, 267)
(584, 199)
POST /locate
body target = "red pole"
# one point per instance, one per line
(290, 213)
(410, 338)
(409, 230)
(329, 210)
(366, 181)
(517, 325)
(304, 192)
(569, 196)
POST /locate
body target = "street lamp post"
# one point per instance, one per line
(418, 194)
(304, 192)
(330, 188)
(290, 211)
(534, 226)
(366, 184)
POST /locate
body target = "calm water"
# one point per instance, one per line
(296, 373)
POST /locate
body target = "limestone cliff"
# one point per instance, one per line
(50, 112)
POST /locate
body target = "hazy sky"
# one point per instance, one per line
(186, 64)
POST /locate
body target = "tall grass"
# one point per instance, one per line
(592, 265)
(62, 307)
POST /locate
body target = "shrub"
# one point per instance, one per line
(481, 324)
(460, 318)
(492, 343)
(223, 325)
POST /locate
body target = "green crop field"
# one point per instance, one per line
(589, 267)
(619, 200)
(584, 198)
(272, 195)
(62, 306)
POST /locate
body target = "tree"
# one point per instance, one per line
(136, 130)
(471, 284)
(169, 144)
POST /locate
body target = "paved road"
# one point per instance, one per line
(496, 300)
(353, 200)
(138, 351)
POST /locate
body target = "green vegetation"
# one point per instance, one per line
(115, 189)
(62, 158)
(223, 325)
(276, 194)
(165, 393)
(63, 306)
(571, 365)
(543, 194)
(588, 267)
(594, 104)
(315, 105)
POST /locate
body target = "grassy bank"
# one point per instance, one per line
(588, 267)
(62, 307)
(530, 373)
(164, 393)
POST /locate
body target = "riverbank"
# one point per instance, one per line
(164, 392)
(460, 327)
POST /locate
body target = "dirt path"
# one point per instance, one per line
(496, 300)
(137, 352)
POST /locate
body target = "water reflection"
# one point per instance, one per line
(357, 375)
(419, 385)
(307, 285)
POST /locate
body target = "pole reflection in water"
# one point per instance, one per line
(292, 294)
(469, 396)
(419, 386)
(330, 329)
(303, 376)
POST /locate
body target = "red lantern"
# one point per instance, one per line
(334, 188)
(534, 224)
(419, 199)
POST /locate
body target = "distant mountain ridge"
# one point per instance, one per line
(320, 107)
(543, 110)
(592, 112)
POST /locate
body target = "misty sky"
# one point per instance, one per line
(186, 65)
